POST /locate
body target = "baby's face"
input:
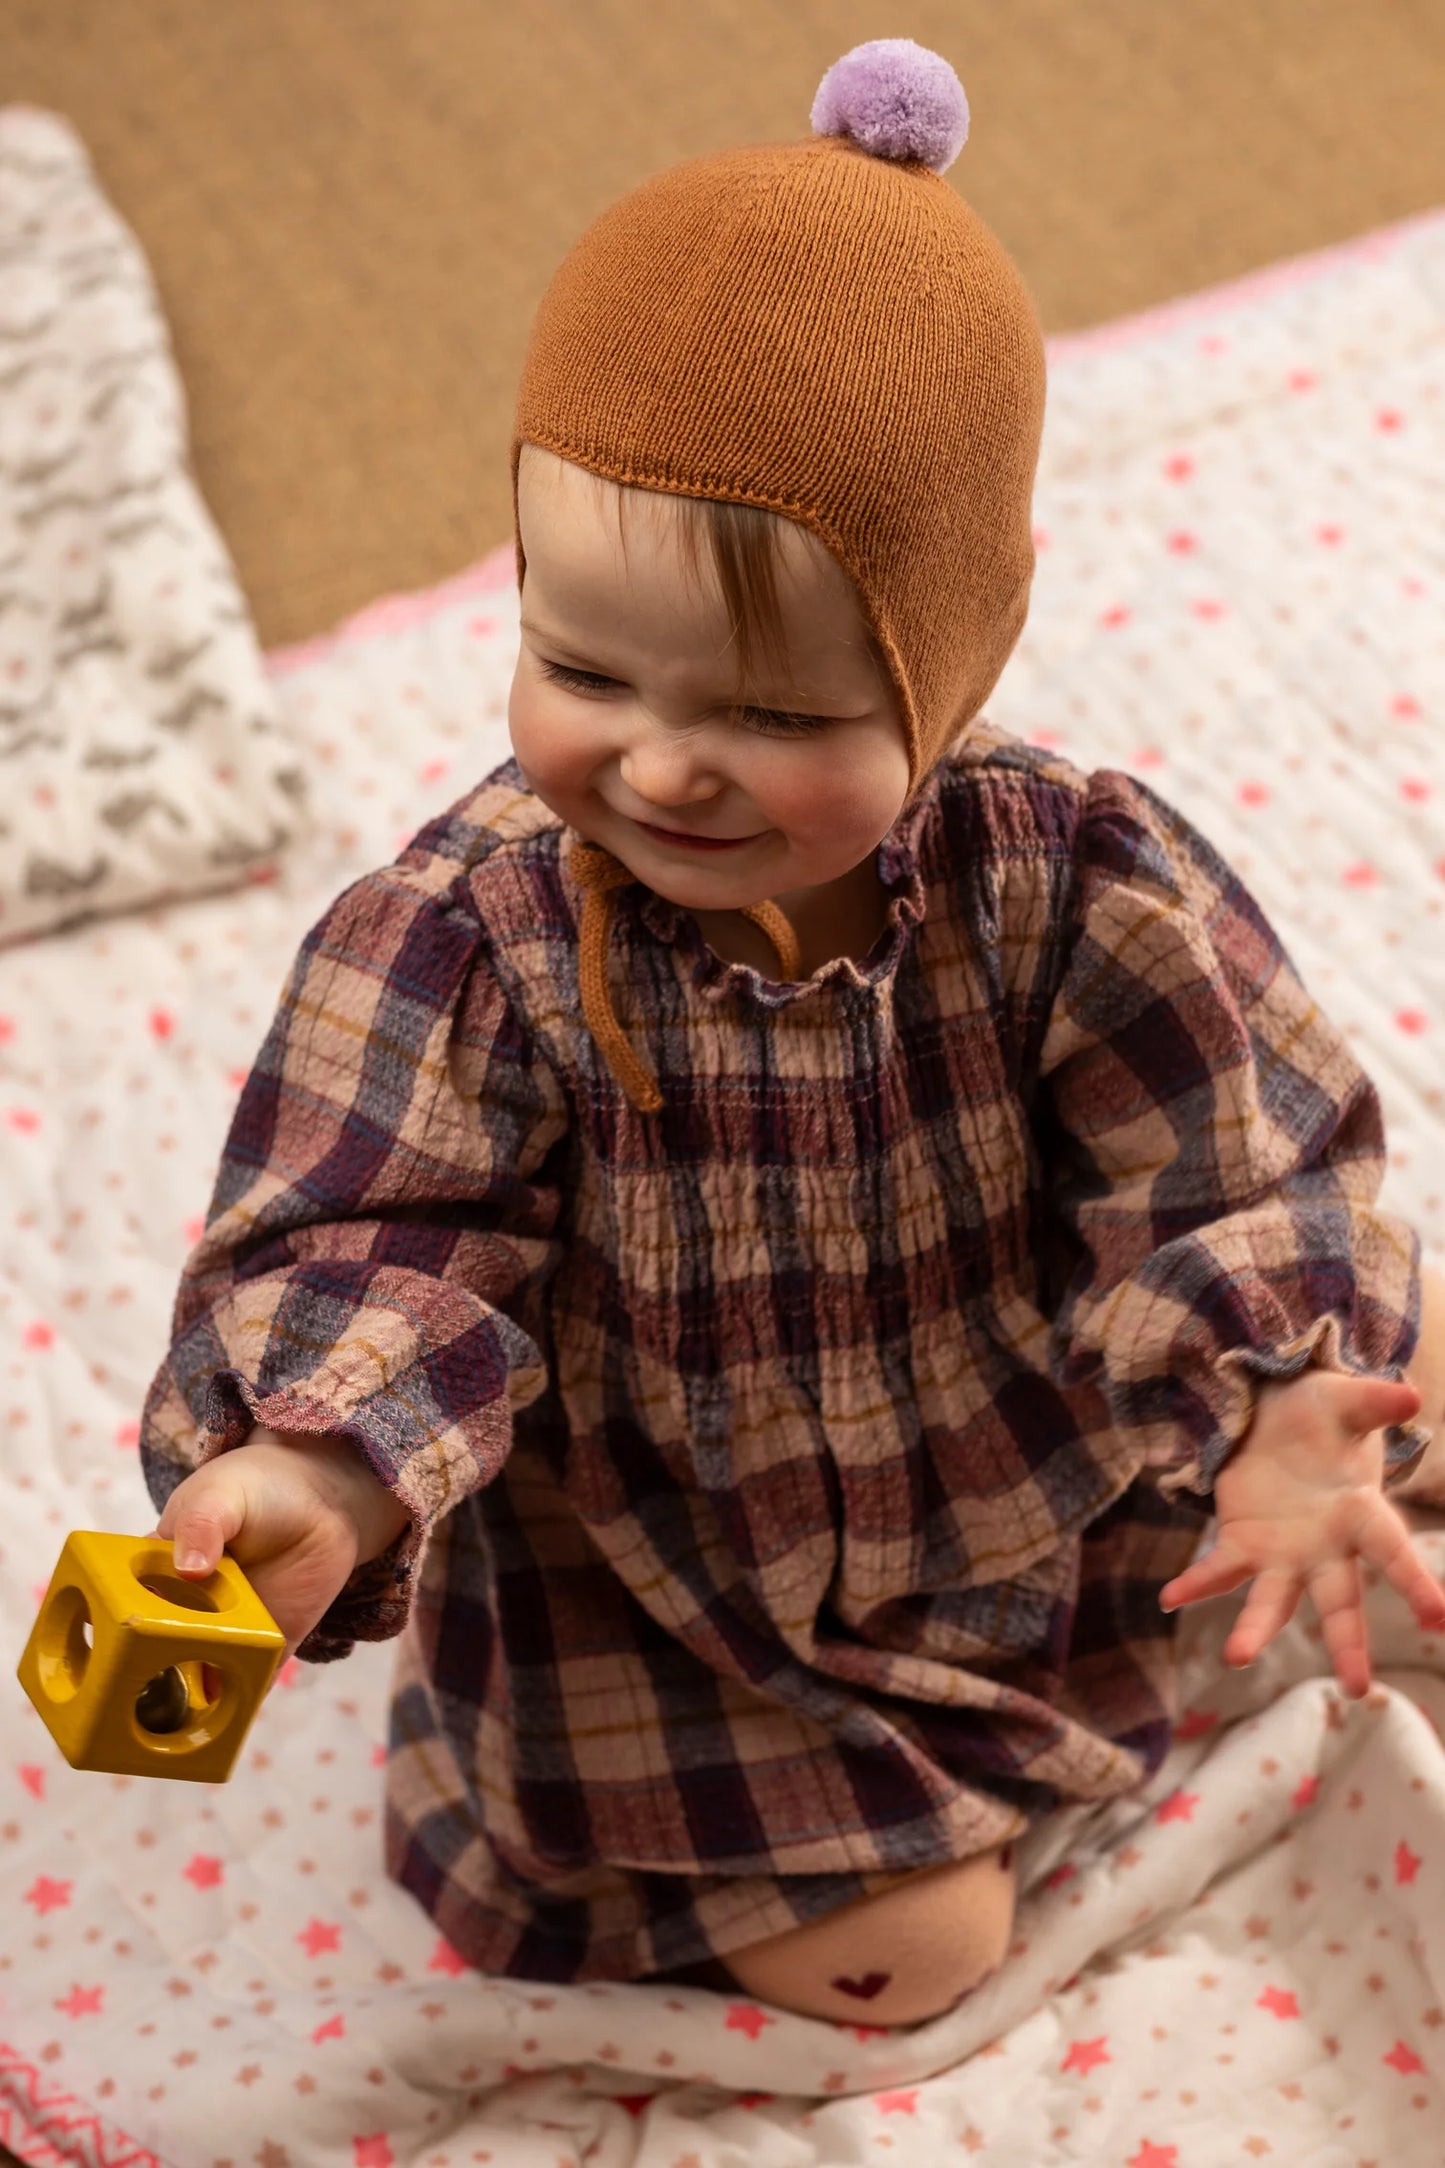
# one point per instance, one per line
(642, 755)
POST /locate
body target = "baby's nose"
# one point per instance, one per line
(669, 773)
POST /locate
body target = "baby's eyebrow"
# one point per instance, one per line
(553, 639)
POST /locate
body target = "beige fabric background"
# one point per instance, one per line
(352, 206)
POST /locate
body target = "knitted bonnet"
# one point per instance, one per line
(824, 328)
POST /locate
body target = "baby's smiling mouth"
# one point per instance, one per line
(685, 841)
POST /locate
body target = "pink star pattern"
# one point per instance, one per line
(445, 1959)
(1305, 1793)
(1178, 1807)
(746, 2017)
(1403, 2059)
(82, 2002)
(47, 1895)
(373, 2152)
(897, 2103)
(1086, 2055)
(319, 1935)
(1407, 1863)
(204, 1871)
(1154, 2156)
(1279, 2001)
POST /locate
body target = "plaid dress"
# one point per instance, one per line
(793, 1470)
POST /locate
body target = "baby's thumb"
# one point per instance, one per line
(201, 1517)
(1366, 1404)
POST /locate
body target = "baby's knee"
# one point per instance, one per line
(903, 1955)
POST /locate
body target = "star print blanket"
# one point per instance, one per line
(1239, 596)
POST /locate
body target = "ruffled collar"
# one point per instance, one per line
(607, 883)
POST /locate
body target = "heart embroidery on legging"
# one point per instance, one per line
(865, 1989)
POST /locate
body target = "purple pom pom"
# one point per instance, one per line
(896, 99)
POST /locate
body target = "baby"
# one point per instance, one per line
(758, 1244)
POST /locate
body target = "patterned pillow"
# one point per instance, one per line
(141, 751)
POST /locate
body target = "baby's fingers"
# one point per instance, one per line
(1270, 1607)
(203, 1514)
(1215, 1574)
(1338, 1596)
(1385, 1540)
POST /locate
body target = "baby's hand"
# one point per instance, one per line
(1299, 1504)
(298, 1518)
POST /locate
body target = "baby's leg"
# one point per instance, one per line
(904, 1953)
(1426, 1486)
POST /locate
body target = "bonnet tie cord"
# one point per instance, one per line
(599, 875)
(776, 925)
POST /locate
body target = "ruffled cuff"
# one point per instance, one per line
(374, 1602)
(1232, 1391)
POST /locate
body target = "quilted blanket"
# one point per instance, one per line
(1239, 597)
(142, 750)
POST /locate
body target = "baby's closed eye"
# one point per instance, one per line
(780, 722)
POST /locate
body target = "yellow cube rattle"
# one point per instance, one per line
(122, 1660)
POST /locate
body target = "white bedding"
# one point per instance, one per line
(1239, 597)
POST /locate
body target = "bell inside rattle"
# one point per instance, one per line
(164, 1702)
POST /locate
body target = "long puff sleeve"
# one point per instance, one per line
(381, 1227)
(1214, 1155)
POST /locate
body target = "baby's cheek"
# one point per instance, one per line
(551, 761)
(843, 823)
(842, 794)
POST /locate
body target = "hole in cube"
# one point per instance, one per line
(187, 1595)
(65, 1643)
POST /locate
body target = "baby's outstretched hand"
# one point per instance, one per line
(1299, 1506)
